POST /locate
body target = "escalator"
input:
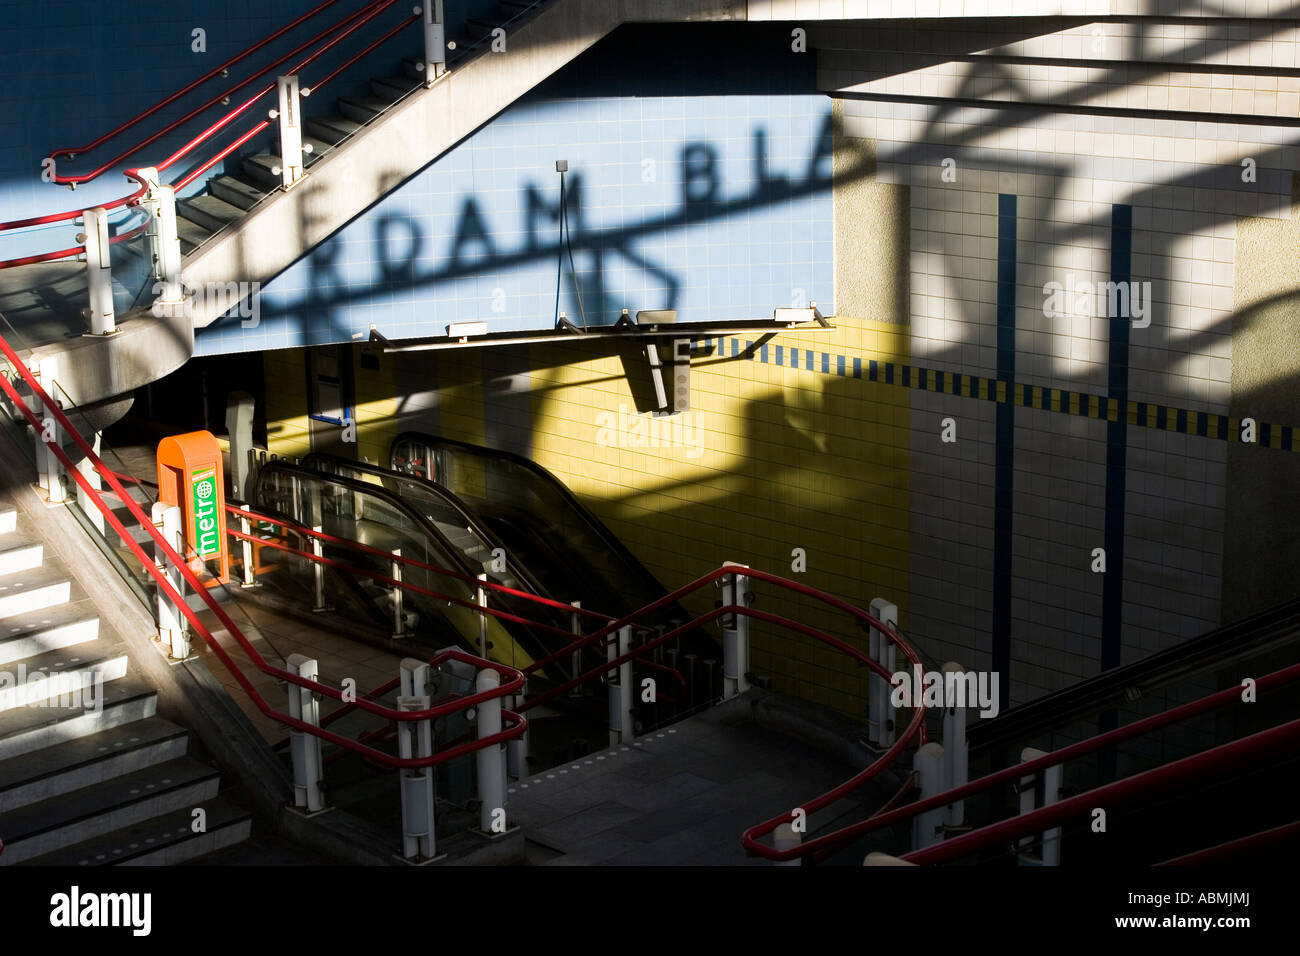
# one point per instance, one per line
(372, 516)
(544, 527)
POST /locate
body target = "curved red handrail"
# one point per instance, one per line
(1223, 698)
(73, 151)
(513, 679)
(74, 213)
(361, 17)
(1219, 759)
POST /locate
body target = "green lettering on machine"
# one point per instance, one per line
(203, 499)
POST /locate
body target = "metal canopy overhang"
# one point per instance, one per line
(619, 332)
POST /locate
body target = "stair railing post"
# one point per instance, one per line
(480, 598)
(929, 766)
(318, 571)
(164, 239)
(955, 749)
(415, 740)
(517, 749)
(735, 634)
(621, 727)
(435, 41)
(575, 659)
(1050, 847)
(490, 762)
(880, 722)
(50, 474)
(99, 271)
(289, 114)
(167, 519)
(399, 615)
(246, 549)
(305, 747)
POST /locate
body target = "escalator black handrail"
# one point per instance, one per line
(449, 498)
(1276, 626)
(595, 524)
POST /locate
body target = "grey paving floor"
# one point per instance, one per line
(681, 796)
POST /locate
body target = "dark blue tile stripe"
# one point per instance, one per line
(1112, 594)
(1004, 467)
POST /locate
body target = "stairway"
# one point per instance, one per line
(89, 773)
(230, 196)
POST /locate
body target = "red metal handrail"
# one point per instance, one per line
(829, 841)
(1219, 759)
(73, 151)
(407, 562)
(362, 17)
(512, 684)
(1224, 851)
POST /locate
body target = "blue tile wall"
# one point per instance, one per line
(669, 207)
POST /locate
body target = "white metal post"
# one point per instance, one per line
(167, 519)
(415, 739)
(289, 114)
(735, 637)
(480, 598)
(246, 527)
(929, 766)
(1050, 852)
(318, 570)
(164, 240)
(399, 616)
(435, 41)
(621, 729)
(99, 271)
(415, 677)
(517, 749)
(305, 747)
(881, 715)
(50, 470)
(575, 659)
(491, 778)
(787, 837)
(955, 751)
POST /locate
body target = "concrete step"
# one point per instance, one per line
(50, 629)
(210, 212)
(259, 168)
(236, 192)
(333, 128)
(21, 556)
(94, 811)
(362, 109)
(319, 149)
(69, 673)
(478, 28)
(164, 840)
(32, 590)
(8, 518)
(191, 234)
(25, 729)
(413, 66)
(393, 88)
(85, 761)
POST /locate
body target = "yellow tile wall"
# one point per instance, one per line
(787, 459)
